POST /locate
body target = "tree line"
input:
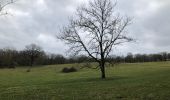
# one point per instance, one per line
(137, 58)
(35, 55)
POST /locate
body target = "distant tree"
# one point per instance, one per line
(60, 59)
(57, 59)
(168, 56)
(22, 58)
(7, 57)
(164, 56)
(129, 58)
(82, 59)
(40, 60)
(96, 30)
(33, 51)
(157, 57)
(138, 58)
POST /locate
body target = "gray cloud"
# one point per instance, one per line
(38, 21)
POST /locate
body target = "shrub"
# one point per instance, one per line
(28, 70)
(65, 70)
(72, 69)
(69, 70)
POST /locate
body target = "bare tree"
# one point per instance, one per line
(33, 51)
(96, 29)
(3, 4)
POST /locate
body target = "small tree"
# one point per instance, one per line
(96, 30)
(33, 51)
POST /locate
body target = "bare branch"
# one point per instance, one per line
(4, 4)
(96, 29)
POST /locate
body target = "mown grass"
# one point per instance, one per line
(138, 81)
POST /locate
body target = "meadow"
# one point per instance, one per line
(137, 81)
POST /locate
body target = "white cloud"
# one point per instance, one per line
(37, 21)
(46, 39)
(145, 8)
(50, 43)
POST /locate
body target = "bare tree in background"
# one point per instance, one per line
(96, 29)
(3, 4)
(33, 51)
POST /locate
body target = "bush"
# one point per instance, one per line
(28, 70)
(72, 69)
(69, 70)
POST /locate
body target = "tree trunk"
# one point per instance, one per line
(102, 67)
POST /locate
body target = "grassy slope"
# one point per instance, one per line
(146, 81)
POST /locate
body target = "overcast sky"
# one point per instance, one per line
(38, 21)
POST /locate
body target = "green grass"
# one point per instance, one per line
(139, 81)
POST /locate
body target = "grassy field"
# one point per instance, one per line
(139, 81)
